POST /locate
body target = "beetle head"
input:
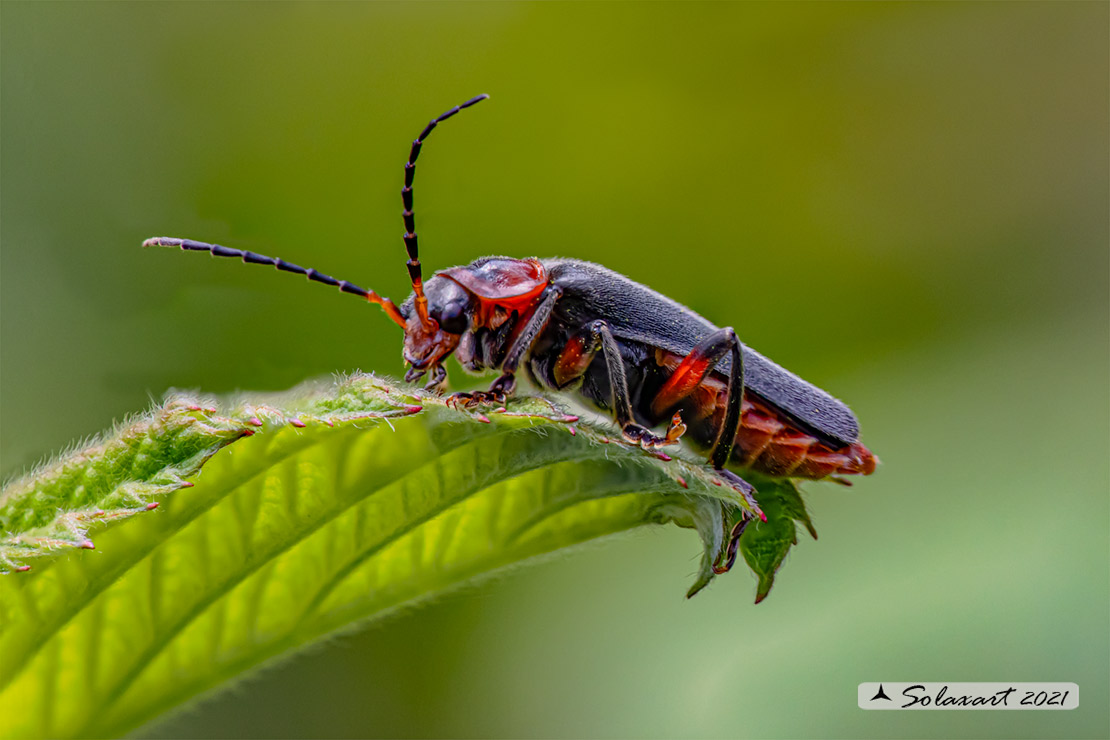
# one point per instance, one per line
(428, 344)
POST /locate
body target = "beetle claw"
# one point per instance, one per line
(453, 400)
(675, 430)
(634, 434)
(476, 399)
(745, 489)
(727, 557)
(438, 380)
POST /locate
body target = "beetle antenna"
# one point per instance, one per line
(254, 258)
(413, 263)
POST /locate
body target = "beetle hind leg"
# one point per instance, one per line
(727, 557)
(686, 378)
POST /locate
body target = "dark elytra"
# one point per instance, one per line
(640, 314)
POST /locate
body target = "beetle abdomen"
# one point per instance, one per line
(769, 443)
(768, 440)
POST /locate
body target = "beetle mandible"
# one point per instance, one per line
(621, 346)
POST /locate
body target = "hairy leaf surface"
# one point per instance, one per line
(225, 538)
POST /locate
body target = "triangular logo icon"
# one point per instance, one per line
(881, 695)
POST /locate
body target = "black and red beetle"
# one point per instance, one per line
(620, 345)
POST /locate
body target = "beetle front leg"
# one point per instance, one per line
(437, 377)
(438, 380)
(505, 385)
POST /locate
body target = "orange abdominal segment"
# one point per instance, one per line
(767, 441)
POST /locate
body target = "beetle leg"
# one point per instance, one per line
(734, 402)
(505, 385)
(576, 357)
(727, 557)
(473, 399)
(693, 369)
(632, 432)
(438, 380)
(690, 373)
(676, 429)
(618, 381)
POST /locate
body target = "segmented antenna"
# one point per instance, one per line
(254, 258)
(413, 263)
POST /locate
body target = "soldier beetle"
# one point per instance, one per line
(624, 348)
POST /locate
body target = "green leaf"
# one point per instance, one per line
(315, 511)
(51, 509)
(766, 542)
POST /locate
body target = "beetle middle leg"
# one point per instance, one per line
(576, 358)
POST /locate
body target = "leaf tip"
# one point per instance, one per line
(703, 580)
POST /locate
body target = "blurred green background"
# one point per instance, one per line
(904, 203)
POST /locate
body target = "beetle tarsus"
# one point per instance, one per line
(634, 434)
(735, 481)
(476, 399)
(438, 382)
(676, 429)
(727, 557)
(745, 489)
(503, 387)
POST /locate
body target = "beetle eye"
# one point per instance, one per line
(452, 317)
